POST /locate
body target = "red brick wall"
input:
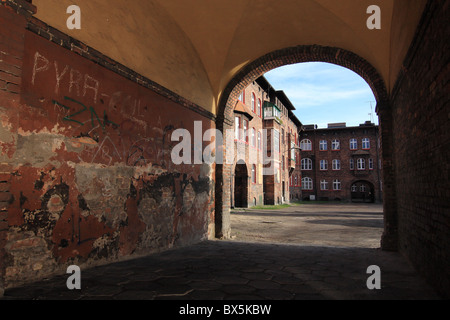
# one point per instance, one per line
(421, 118)
(11, 56)
(86, 174)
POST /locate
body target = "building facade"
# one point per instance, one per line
(265, 146)
(341, 163)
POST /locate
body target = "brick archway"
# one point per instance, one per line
(298, 54)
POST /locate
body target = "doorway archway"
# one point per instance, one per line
(362, 191)
(240, 189)
(298, 54)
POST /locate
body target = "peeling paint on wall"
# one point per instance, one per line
(91, 175)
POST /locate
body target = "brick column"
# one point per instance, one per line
(13, 22)
(223, 185)
(389, 240)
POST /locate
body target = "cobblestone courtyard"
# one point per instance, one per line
(308, 252)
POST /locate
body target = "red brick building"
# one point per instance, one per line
(341, 163)
(265, 149)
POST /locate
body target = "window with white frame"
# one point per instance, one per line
(354, 188)
(335, 145)
(366, 143)
(323, 185)
(336, 164)
(276, 140)
(307, 183)
(323, 145)
(353, 144)
(306, 164)
(361, 164)
(336, 184)
(306, 145)
(352, 164)
(237, 127)
(323, 165)
(362, 188)
(370, 164)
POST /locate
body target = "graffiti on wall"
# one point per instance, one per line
(104, 184)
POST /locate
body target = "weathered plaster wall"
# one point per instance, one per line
(86, 155)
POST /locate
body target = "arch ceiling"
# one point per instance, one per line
(195, 47)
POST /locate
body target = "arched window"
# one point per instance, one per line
(259, 140)
(307, 183)
(253, 103)
(306, 145)
(253, 137)
(259, 108)
(306, 164)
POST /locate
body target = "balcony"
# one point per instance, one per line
(271, 112)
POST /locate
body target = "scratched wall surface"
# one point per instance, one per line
(91, 173)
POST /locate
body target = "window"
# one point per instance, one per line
(370, 164)
(259, 107)
(253, 173)
(307, 183)
(336, 185)
(336, 164)
(282, 135)
(352, 164)
(276, 140)
(259, 140)
(253, 103)
(306, 145)
(293, 153)
(353, 144)
(306, 164)
(245, 131)
(323, 185)
(241, 97)
(237, 127)
(323, 145)
(361, 164)
(335, 145)
(366, 143)
(323, 165)
(283, 163)
(362, 188)
(354, 188)
(253, 137)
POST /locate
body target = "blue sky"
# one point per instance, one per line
(325, 93)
